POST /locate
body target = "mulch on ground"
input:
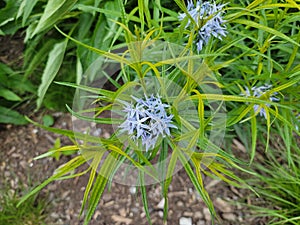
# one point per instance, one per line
(123, 204)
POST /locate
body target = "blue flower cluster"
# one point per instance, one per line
(147, 119)
(208, 18)
(257, 92)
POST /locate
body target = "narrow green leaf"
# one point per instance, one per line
(98, 91)
(144, 195)
(100, 184)
(253, 137)
(72, 135)
(195, 181)
(94, 119)
(168, 180)
(94, 166)
(267, 29)
(52, 67)
(66, 168)
(99, 51)
(62, 149)
(152, 173)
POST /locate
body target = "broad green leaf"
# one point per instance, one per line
(9, 95)
(54, 11)
(54, 62)
(11, 116)
(39, 56)
(25, 9)
(5, 69)
(9, 11)
(48, 120)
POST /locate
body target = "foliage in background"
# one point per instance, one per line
(63, 60)
(48, 56)
(278, 183)
(13, 92)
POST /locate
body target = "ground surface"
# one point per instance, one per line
(20, 144)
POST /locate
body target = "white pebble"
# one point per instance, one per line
(185, 221)
(161, 204)
(132, 190)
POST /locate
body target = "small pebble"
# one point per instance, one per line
(229, 216)
(35, 131)
(198, 215)
(106, 135)
(96, 215)
(122, 212)
(161, 204)
(185, 221)
(206, 213)
(135, 210)
(132, 190)
(188, 214)
(54, 215)
(222, 205)
(161, 214)
(201, 222)
(179, 203)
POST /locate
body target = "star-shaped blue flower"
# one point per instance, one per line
(147, 119)
(257, 92)
(208, 18)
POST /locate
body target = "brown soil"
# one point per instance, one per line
(20, 144)
(11, 48)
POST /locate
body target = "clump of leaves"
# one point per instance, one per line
(32, 211)
(278, 181)
(13, 91)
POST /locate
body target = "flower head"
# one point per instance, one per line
(209, 21)
(258, 92)
(147, 119)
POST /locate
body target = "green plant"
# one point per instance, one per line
(8, 13)
(31, 213)
(50, 57)
(13, 91)
(278, 185)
